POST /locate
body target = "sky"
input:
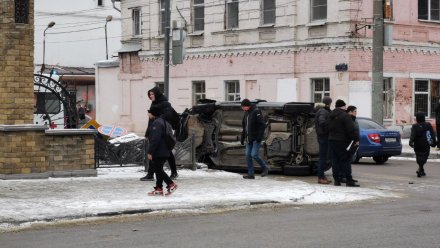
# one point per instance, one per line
(26, 202)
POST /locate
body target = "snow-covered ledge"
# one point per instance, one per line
(70, 131)
(22, 128)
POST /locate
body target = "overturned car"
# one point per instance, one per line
(211, 133)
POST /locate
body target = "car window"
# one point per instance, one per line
(368, 124)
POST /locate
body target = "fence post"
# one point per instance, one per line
(193, 151)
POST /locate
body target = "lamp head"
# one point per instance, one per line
(109, 18)
(51, 24)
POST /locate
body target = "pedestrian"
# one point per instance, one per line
(352, 112)
(420, 133)
(437, 123)
(321, 128)
(169, 114)
(253, 131)
(341, 134)
(158, 151)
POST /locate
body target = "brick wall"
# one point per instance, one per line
(16, 66)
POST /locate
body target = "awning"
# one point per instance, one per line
(130, 47)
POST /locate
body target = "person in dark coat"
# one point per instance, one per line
(341, 134)
(160, 101)
(419, 142)
(352, 112)
(253, 132)
(437, 122)
(158, 151)
(323, 110)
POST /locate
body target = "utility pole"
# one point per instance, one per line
(166, 77)
(377, 70)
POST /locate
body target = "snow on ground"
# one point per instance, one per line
(119, 189)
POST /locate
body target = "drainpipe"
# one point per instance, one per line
(114, 6)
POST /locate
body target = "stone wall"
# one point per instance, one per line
(16, 66)
(30, 152)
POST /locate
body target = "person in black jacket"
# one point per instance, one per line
(437, 122)
(352, 112)
(419, 141)
(322, 134)
(253, 131)
(341, 134)
(158, 151)
(160, 101)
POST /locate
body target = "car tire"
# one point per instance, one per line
(380, 159)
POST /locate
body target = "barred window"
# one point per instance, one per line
(421, 96)
(232, 90)
(318, 10)
(388, 98)
(199, 15)
(162, 20)
(136, 17)
(320, 88)
(22, 11)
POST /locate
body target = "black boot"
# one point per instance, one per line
(174, 175)
(352, 184)
(148, 177)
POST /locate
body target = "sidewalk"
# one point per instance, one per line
(408, 151)
(119, 191)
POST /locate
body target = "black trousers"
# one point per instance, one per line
(171, 161)
(437, 127)
(161, 176)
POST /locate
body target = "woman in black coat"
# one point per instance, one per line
(419, 141)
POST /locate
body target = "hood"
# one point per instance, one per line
(420, 117)
(159, 97)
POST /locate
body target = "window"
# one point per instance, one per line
(199, 15)
(231, 14)
(47, 103)
(318, 10)
(100, 4)
(136, 17)
(268, 12)
(232, 91)
(426, 95)
(162, 19)
(388, 9)
(199, 91)
(387, 98)
(429, 10)
(22, 11)
(320, 88)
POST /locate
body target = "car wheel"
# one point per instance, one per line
(380, 159)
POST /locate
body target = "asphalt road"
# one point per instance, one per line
(413, 220)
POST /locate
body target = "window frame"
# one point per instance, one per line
(427, 93)
(388, 98)
(235, 94)
(136, 17)
(315, 6)
(100, 3)
(162, 17)
(197, 19)
(21, 11)
(264, 11)
(198, 95)
(229, 5)
(323, 92)
(428, 14)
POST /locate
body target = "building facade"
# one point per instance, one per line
(282, 50)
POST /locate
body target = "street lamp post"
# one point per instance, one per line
(51, 24)
(108, 19)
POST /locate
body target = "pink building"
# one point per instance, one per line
(280, 50)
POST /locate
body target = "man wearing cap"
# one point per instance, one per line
(253, 132)
(323, 110)
(341, 133)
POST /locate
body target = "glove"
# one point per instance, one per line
(242, 139)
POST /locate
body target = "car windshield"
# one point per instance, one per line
(368, 124)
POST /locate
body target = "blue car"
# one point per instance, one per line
(376, 141)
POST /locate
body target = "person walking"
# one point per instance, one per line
(437, 123)
(253, 131)
(418, 140)
(321, 128)
(341, 134)
(169, 114)
(352, 112)
(158, 151)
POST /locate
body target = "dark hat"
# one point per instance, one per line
(327, 100)
(155, 110)
(351, 108)
(420, 117)
(340, 103)
(246, 102)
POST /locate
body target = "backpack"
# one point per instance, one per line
(168, 134)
